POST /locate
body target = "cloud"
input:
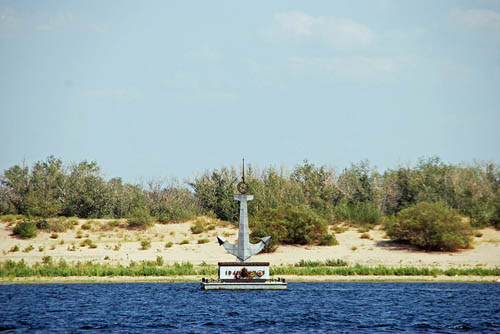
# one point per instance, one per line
(334, 31)
(14, 23)
(481, 20)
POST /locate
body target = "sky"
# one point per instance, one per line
(152, 89)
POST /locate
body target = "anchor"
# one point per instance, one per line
(243, 250)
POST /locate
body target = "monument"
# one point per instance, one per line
(243, 274)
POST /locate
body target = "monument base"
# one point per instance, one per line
(243, 276)
(243, 286)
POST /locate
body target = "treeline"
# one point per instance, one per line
(358, 194)
(51, 189)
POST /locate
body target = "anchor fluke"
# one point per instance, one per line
(265, 240)
(221, 240)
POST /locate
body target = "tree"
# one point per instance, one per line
(215, 192)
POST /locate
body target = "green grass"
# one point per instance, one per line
(382, 271)
(49, 268)
(146, 268)
(327, 263)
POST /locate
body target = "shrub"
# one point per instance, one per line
(309, 263)
(430, 226)
(184, 242)
(58, 225)
(203, 241)
(169, 244)
(159, 261)
(364, 213)
(175, 213)
(328, 240)
(197, 228)
(54, 235)
(11, 218)
(140, 219)
(340, 229)
(289, 225)
(88, 242)
(365, 236)
(47, 259)
(145, 244)
(25, 230)
(86, 226)
(14, 249)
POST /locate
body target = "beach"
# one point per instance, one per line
(175, 242)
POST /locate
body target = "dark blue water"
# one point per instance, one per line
(304, 307)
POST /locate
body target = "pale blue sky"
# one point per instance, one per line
(163, 88)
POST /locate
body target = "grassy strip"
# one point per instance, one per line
(149, 268)
(62, 269)
(382, 271)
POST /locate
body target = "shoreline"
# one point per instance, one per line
(289, 279)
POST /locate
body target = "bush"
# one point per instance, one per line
(169, 244)
(328, 240)
(11, 218)
(430, 226)
(140, 219)
(86, 226)
(145, 244)
(88, 242)
(54, 235)
(197, 228)
(203, 241)
(25, 230)
(289, 225)
(28, 249)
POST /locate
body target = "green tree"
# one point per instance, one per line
(215, 192)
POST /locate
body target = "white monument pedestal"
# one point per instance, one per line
(244, 276)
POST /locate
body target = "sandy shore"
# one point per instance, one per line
(289, 278)
(121, 246)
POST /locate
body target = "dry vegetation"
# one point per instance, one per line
(110, 241)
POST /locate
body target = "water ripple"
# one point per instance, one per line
(304, 308)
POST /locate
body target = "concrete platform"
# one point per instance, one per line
(244, 286)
